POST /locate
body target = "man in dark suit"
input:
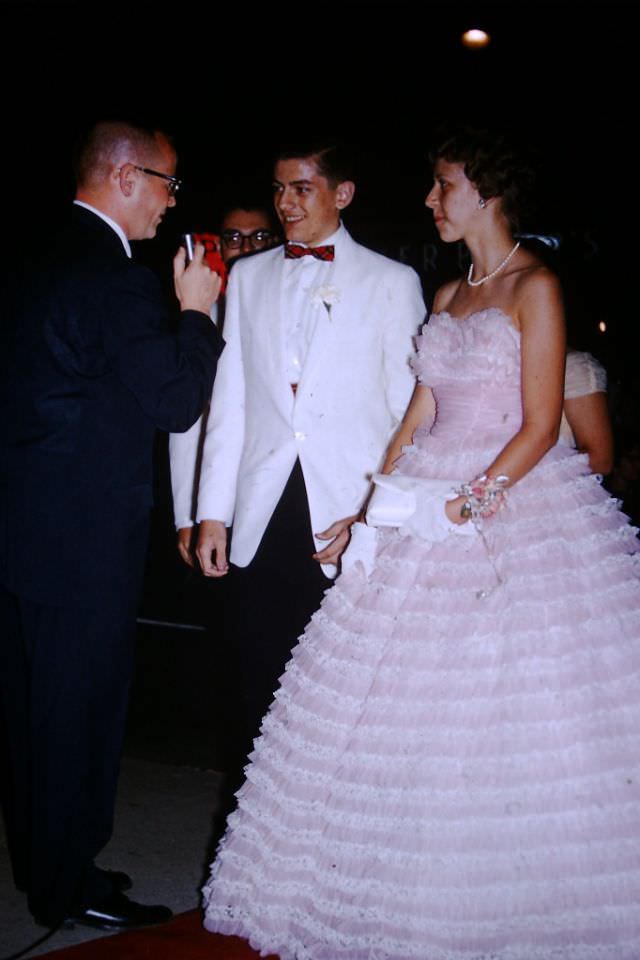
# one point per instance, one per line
(91, 372)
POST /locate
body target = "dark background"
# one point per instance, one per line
(231, 81)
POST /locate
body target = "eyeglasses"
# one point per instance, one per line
(173, 183)
(234, 239)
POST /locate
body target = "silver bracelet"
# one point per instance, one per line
(484, 496)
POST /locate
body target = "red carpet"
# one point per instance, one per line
(183, 938)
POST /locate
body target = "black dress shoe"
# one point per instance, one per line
(121, 881)
(118, 912)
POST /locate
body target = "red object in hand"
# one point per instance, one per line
(212, 255)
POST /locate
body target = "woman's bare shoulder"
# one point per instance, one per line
(536, 289)
(535, 279)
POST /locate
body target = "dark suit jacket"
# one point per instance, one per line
(91, 372)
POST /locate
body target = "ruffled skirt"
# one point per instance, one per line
(451, 767)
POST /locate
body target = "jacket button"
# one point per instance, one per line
(299, 435)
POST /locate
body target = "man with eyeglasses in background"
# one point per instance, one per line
(245, 230)
(91, 372)
(246, 227)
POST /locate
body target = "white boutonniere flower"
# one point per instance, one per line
(326, 295)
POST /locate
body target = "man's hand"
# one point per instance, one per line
(339, 533)
(197, 286)
(184, 543)
(211, 550)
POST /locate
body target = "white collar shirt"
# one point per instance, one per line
(303, 282)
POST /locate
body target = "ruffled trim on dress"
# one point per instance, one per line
(485, 345)
(423, 734)
(451, 767)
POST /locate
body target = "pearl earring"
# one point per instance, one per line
(482, 203)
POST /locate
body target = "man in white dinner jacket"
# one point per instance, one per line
(313, 382)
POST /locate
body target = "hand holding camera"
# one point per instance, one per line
(197, 285)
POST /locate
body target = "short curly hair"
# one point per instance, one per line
(496, 166)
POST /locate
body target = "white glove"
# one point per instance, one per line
(416, 506)
(362, 548)
(429, 520)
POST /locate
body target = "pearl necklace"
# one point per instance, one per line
(488, 276)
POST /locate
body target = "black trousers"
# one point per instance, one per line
(65, 674)
(270, 602)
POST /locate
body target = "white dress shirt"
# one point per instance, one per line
(304, 280)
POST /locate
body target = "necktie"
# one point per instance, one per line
(293, 251)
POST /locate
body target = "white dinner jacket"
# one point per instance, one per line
(353, 391)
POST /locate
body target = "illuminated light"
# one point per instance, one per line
(475, 39)
(602, 327)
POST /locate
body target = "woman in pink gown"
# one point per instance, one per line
(451, 767)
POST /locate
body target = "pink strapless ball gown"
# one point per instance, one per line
(451, 767)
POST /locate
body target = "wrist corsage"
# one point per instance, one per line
(484, 496)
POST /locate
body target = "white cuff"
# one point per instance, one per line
(361, 549)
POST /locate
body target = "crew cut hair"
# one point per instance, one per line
(108, 143)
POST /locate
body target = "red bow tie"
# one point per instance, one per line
(293, 251)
